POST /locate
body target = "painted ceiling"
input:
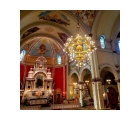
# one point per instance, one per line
(33, 45)
(60, 24)
(54, 27)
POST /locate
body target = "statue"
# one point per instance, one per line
(39, 82)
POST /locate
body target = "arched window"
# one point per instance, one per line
(22, 54)
(119, 44)
(58, 59)
(102, 41)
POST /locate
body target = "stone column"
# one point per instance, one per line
(118, 84)
(80, 93)
(100, 95)
(96, 82)
(94, 88)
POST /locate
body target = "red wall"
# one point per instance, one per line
(28, 69)
(21, 72)
(58, 78)
(65, 80)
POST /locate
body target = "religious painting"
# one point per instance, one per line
(87, 16)
(54, 16)
(42, 49)
(30, 31)
(39, 81)
(56, 48)
(63, 37)
(28, 45)
(49, 29)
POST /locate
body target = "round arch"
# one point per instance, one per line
(81, 71)
(109, 68)
(41, 35)
(75, 73)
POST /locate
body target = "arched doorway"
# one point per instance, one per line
(110, 89)
(73, 88)
(112, 96)
(58, 96)
(87, 92)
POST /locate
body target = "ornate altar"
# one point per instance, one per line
(38, 87)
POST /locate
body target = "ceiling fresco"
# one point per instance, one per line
(42, 45)
(63, 37)
(87, 16)
(42, 49)
(54, 16)
(49, 29)
(29, 44)
(30, 31)
(56, 48)
(58, 25)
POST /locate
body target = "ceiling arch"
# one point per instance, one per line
(106, 23)
(63, 22)
(24, 41)
(53, 48)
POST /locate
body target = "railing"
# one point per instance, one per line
(63, 106)
(34, 102)
(30, 107)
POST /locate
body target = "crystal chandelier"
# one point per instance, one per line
(79, 48)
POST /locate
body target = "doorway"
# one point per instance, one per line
(58, 101)
(112, 96)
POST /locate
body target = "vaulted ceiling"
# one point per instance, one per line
(54, 27)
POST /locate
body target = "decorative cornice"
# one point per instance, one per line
(96, 80)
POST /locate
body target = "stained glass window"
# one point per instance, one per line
(58, 59)
(119, 44)
(102, 41)
(22, 54)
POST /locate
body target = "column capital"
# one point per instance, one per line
(96, 79)
(118, 80)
